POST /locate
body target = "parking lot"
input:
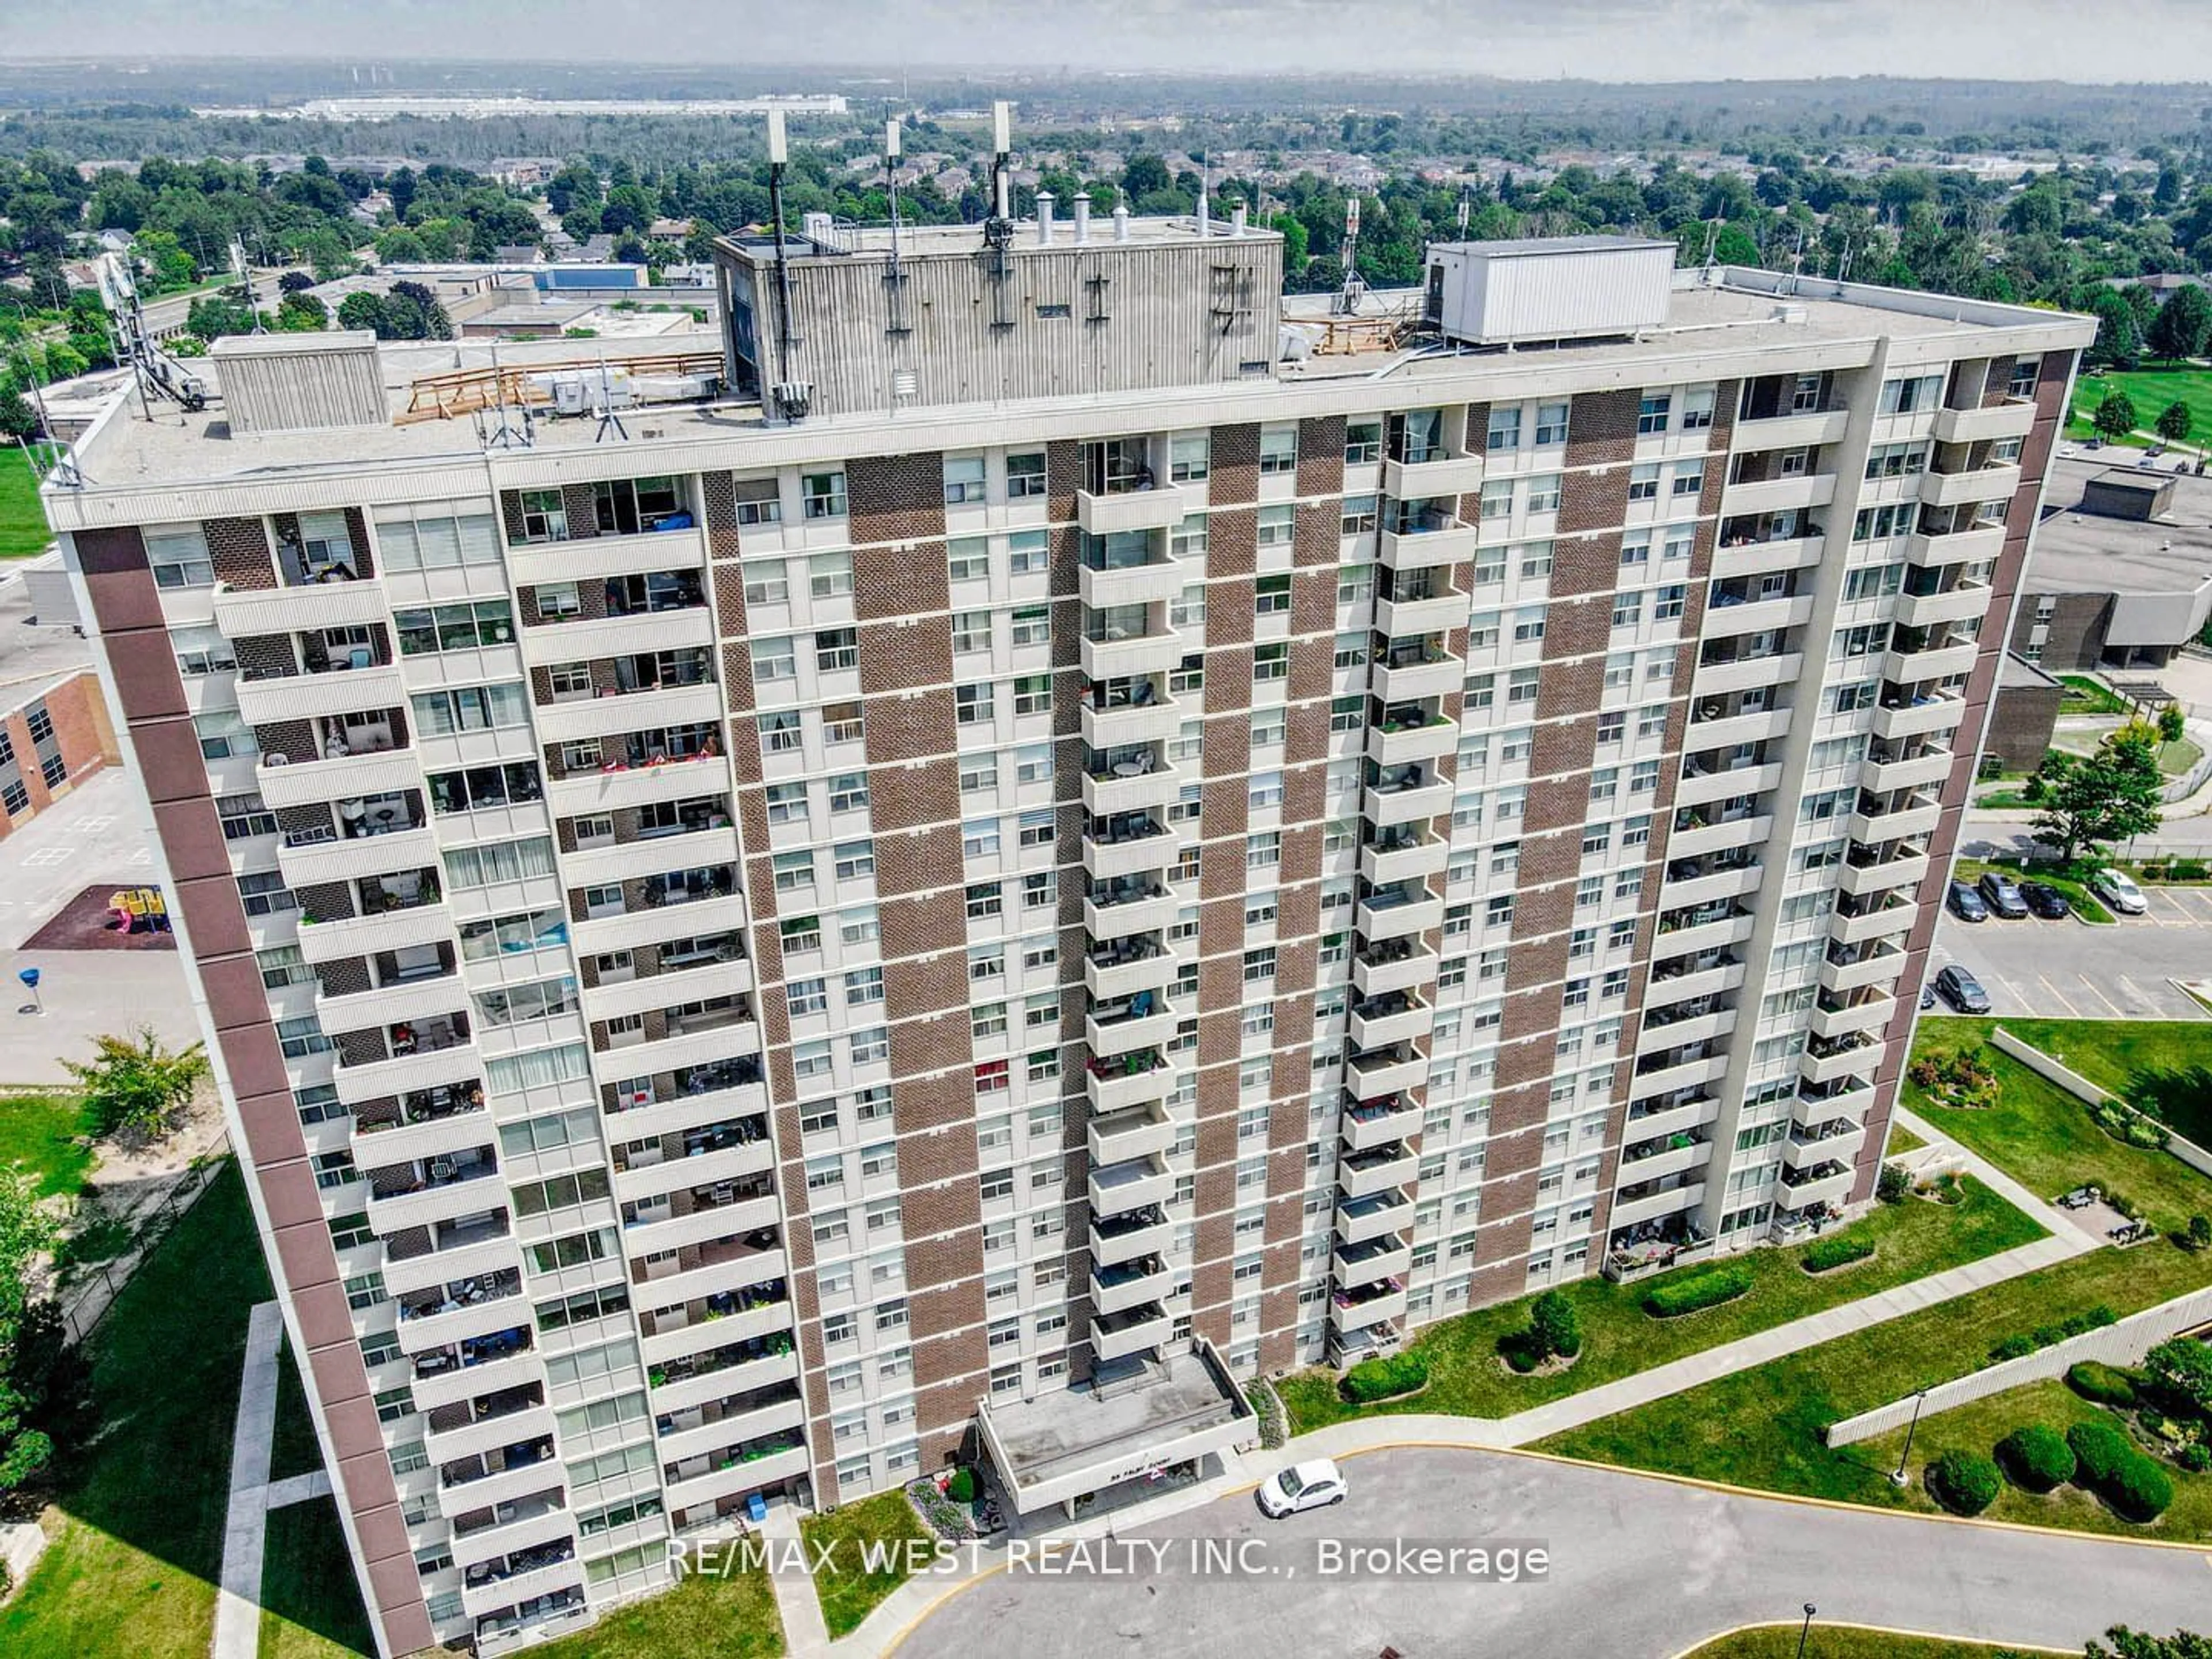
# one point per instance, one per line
(2070, 970)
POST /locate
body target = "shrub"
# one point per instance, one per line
(1699, 1291)
(2139, 1490)
(1555, 1328)
(2014, 1347)
(1893, 1184)
(2107, 1385)
(1386, 1375)
(2100, 1451)
(2178, 1374)
(2200, 1231)
(1836, 1253)
(960, 1488)
(2196, 1458)
(1963, 1482)
(2036, 1458)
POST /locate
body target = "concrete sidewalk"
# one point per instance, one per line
(238, 1602)
(2054, 1219)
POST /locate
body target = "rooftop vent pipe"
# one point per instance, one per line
(1236, 217)
(1044, 218)
(1120, 221)
(1082, 217)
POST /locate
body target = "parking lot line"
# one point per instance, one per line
(2056, 995)
(2090, 986)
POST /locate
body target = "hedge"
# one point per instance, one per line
(2140, 1490)
(2036, 1458)
(2107, 1385)
(2109, 1465)
(2099, 1451)
(1963, 1482)
(1699, 1292)
(1830, 1253)
(1388, 1374)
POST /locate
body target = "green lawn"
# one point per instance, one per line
(2150, 390)
(310, 1607)
(2044, 1136)
(138, 1520)
(701, 1617)
(849, 1592)
(1619, 1338)
(23, 530)
(1902, 1140)
(1761, 1428)
(49, 1134)
(1848, 1642)
(2084, 695)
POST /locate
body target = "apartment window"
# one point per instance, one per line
(1910, 395)
(1551, 424)
(179, 558)
(963, 479)
(1271, 596)
(824, 494)
(1025, 476)
(1363, 443)
(1279, 450)
(2025, 373)
(1358, 515)
(1651, 413)
(1276, 525)
(1033, 694)
(1644, 482)
(243, 817)
(1505, 431)
(836, 649)
(829, 576)
(1689, 480)
(1544, 494)
(1497, 498)
(1271, 662)
(1697, 409)
(1627, 609)
(1189, 456)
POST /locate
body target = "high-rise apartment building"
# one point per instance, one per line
(1054, 861)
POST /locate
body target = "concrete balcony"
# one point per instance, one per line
(533, 1525)
(1119, 1089)
(442, 1201)
(1379, 1122)
(1372, 976)
(738, 1161)
(1412, 744)
(2013, 418)
(1398, 1025)
(1918, 817)
(1154, 582)
(612, 864)
(1929, 715)
(586, 638)
(1751, 830)
(325, 863)
(752, 1474)
(1716, 679)
(1971, 546)
(1690, 1028)
(1163, 506)
(313, 696)
(305, 780)
(1938, 663)
(1921, 771)
(1151, 789)
(629, 711)
(1138, 1184)
(1890, 918)
(1836, 1140)
(1404, 618)
(375, 1145)
(1700, 938)
(487, 1434)
(713, 1435)
(588, 557)
(1138, 653)
(1378, 1215)
(335, 939)
(1416, 676)
(1721, 783)
(489, 1492)
(1371, 1077)
(1805, 490)
(1727, 733)
(1450, 541)
(1123, 975)
(406, 1074)
(1386, 1256)
(1689, 986)
(1757, 617)
(1140, 854)
(1980, 483)
(1426, 480)
(1852, 1059)
(1129, 1238)
(1858, 879)
(687, 918)
(1385, 1301)
(1654, 1207)
(1670, 1119)
(1764, 558)
(1967, 600)
(1121, 1031)
(1871, 1014)
(1664, 1160)
(1130, 721)
(1822, 1183)
(460, 1383)
(484, 1255)
(309, 608)
(710, 978)
(1683, 1074)
(1405, 802)
(656, 1231)
(1381, 917)
(458, 1324)
(488, 1596)
(701, 1047)
(610, 791)
(1792, 431)
(405, 1003)
(1730, 882)
(683, 1388)
(1879, 967)
(1132, 1330)
(1128, 1284)
(734, 1272)
(1141, 908)
(680, 1112)
(1138, 1131)
(1380, 1170)
(674, 1342)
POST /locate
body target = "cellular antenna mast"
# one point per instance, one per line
(1348, 296)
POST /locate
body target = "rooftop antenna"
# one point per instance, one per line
(1346, 303)
(999, 229)
(1466, 208)
(779, 156)
(609, 420)
(244, 272)
(504, 435)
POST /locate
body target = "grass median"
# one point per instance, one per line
(704, 1617)
(848, 1534)
(1467, 1377)
(1849, 1642)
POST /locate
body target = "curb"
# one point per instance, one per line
(1873, 1630)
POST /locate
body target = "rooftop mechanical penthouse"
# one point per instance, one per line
(1087, 848)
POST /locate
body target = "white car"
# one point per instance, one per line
(2118, 891)
(1302, 1487)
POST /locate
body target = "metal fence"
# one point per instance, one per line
(85, 1302)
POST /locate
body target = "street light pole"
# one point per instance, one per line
(1806, 1631)
(1898, 1477)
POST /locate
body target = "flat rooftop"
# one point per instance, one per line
(1072, 1429)
(2087, 552)
(33, 659)
(939, 241)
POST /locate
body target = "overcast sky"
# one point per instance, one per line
(1601, 39)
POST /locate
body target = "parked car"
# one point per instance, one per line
(1302, 1487)
(1928, 993)
(2045, 901)
(1962, 990)
(2002, 893)
(1967, 903)
(2118, 891)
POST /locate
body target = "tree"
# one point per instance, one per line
(2179, 1374)
(18, 420)
(26, 1232)
(211, 317)
(2173, 724)
(2097, 799)
(2174, 421)
(137, 1084)
(300, 312)
(366, 311)
(2119, 343)
(2136, 1645)
(2183, 324)
(2116, 415)
(1555, 1328)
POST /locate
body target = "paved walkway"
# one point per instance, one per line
(2063, 1223)
(805, 1635)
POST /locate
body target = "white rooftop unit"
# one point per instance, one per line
(1551, 287)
